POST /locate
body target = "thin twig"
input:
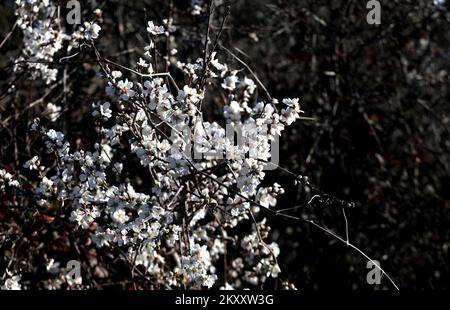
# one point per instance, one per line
(8, 35)
(346, 225)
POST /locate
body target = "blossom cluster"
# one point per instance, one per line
(7, 179)
(44, 36)
(190, 212)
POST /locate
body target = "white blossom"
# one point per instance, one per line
(32, 164)
(155, 30)
(230, 82)
(12, 283)
(53, 111)
(91, 30)
(125, 89)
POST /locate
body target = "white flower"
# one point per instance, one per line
(55, 137)
(196, 7)
(7, 178)
(53, 111)
(12, 283)
(164, 109)
(84, 218)
(116, 75)
(142, 63)
(32, 164)
(125, 89)
(230, 82)
(155, 30)
(120, 216)
(291, 113)
(216, 64)
(189, 94)
(45, 186)
(237, 206)
(249, 84)
(233, 111)
(293, 103)
(101, 239)
(288, 115)
(91, 30)
(276, 127)
(163, 146)
(104, 110)
(265, 199)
